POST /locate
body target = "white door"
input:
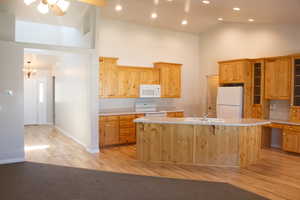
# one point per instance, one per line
(35, 102)
(30, 102)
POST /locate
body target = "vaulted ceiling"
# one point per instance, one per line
(202, 16)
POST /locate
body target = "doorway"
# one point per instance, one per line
(38, 88)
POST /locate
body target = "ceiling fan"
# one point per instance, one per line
(60, 7)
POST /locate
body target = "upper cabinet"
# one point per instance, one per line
(109, 77)
(170, 79)
(231, 72)
(124, 81)
(278, 78)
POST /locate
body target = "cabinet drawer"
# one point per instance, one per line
(127, 117)
(127, 124)
(109, 118)
(139, 115)
(126, 131)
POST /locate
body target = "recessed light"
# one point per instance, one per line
(206, 2)
(220, 19)
(251, 20)
(184, 22)
(169, 0)
(154, 15)
(118, 7)
(236, 9)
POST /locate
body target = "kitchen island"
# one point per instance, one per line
(198, 141)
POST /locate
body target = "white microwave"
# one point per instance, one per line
(149, 91)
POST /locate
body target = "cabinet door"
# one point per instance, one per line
(149, 146)
(128, 83)
(108, 78)
(179, 114)
(150, 77)
(291, 141)
(183, 144)
(295, 113)
(278, 79)
(110, 129)
(170, 79)
(171, 114)
(232, 72)
(257, 111)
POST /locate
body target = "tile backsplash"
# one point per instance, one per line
(279, 109)
(106, 104)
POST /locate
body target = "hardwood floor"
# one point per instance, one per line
(276, 176)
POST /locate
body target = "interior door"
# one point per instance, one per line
(212, 92)
(30, 102)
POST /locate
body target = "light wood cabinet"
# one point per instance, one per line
(109, 78)
(295, 113)
(170, 79)
(128, 82)
(116, 130)
(150, 76)
(278, 78)
(109, 131)
(183, 144)
(232, 72)
(175, 114)
(291, 141)
(124, 81)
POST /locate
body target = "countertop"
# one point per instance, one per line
(284, 122)
(133, 112)
(198, 121)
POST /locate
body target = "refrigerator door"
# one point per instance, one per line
(230, 96)
(229, 112)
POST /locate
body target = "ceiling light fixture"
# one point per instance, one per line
(28, 2)
(236, 9)
(59, 7)
(63, 5)
(29, 71)
(206, 2)
(220, 19)
(118, 7)
(52, 2)
(43, 8)
(184, 22)
(251, 20)
(154, 15)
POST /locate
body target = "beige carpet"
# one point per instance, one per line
(33, 181)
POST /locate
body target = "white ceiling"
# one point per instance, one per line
(30, 13)
(202, 16)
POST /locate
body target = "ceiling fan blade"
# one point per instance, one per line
(57, 11)
(99, 3)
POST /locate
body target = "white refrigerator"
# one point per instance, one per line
(230, 103)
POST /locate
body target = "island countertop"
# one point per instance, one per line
(201, 121)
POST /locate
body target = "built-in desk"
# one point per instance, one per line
(290, 135)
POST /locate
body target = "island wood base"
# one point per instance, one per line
(232, 146)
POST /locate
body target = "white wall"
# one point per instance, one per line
(138, 45)
(73, 99)
(36, 33)
(233, 41)
(7, 24)
(11, 107)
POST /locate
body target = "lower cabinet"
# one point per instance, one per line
(175, 114)
(116, 130)
(120, 129)
(291, 140)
